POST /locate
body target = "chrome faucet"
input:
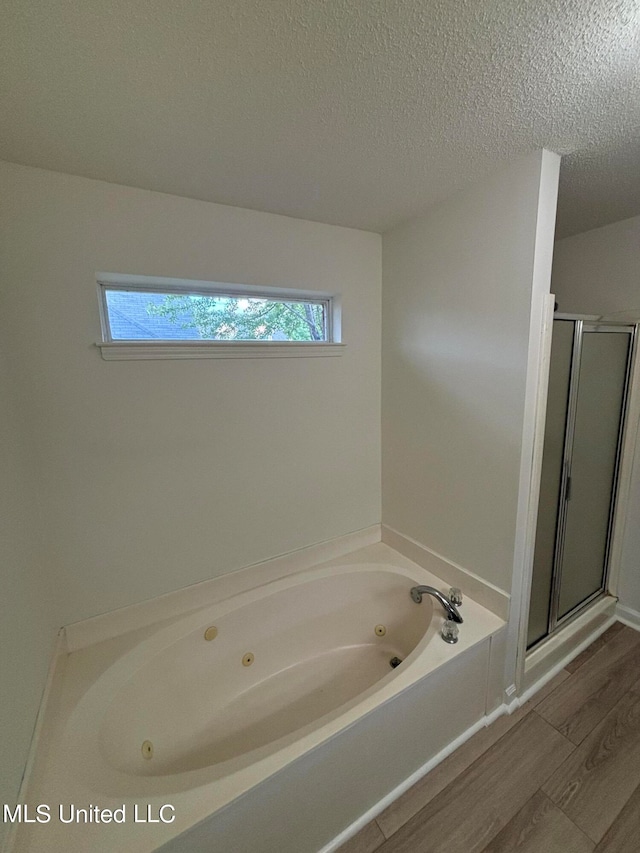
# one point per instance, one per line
(450, 609)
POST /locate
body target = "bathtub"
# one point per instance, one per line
(202, 710)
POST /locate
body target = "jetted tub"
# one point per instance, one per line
(179, 710)
(290, 659)
(197, 722)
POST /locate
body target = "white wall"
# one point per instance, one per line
(598, 272)
(457, 306)
(27, 623)
(152, 475)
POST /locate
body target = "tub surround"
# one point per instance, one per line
(482, 591)
(107, 625)
(69, 770)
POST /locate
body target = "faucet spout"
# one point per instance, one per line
(450, 609)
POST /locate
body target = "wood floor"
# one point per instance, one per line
(560, 775)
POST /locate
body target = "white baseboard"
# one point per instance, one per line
(485, 593)
(400, 789)
(177, 602)
(628, 616)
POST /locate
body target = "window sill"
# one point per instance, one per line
(134, 350)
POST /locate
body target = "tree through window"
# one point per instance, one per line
(133, 313)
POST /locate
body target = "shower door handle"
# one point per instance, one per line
(566, 476)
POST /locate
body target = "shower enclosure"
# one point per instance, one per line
(588, 387)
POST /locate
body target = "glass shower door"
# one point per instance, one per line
(588, 382)
(592, 465)
(551, 478)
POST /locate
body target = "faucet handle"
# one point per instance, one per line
(455, 596)
(449, 632)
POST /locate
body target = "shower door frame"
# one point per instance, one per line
(590, 325)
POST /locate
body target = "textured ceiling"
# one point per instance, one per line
(354, 112)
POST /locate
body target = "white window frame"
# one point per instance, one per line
(119, 350)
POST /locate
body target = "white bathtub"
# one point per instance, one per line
(178, 719)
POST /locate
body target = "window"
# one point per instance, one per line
(168, 318)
